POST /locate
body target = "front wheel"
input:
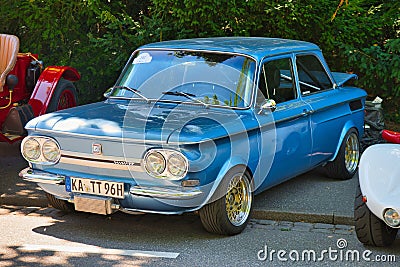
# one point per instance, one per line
(64, 96)
(59, 204)
(230, 213)
(344, 166)
(370, 229)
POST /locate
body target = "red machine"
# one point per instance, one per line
(27, 91)
(391, 136)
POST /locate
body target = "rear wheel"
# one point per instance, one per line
(64, 96)
(59, 204)
(344, 166)
(370, 229)
(230, 214)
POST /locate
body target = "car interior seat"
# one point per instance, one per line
(9, 46)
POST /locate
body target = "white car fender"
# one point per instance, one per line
(379, 176)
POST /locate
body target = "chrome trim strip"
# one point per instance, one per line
(169, 193)
(140, 211)
(36, 176)
(111, 165)
(93, 157)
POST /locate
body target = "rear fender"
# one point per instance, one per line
(346, 128)
(46, 85)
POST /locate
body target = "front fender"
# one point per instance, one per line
(213, 195)
(379, 176)
(46, 85)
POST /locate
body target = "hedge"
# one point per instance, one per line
(96, 37)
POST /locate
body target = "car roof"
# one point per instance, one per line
(258, 47)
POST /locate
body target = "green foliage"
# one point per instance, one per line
(97, 36)
(94, 36)
(380, 66)
(363, 37)
(374, 51)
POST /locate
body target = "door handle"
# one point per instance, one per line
(307, 112)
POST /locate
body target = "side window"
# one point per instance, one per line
(276, 81)
(312, 75)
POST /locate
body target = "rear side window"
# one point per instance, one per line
(312, 75)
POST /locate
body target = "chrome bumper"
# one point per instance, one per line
(42, 177)
(168, 193)
(37, 176)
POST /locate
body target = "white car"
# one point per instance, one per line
(377, 205)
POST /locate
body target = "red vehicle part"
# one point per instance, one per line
(45, 89)
(52, 90)
(391, 136)
(20, 93)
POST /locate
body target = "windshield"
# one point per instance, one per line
(188, 76)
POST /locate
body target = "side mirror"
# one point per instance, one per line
(108, 92)
(268, 104)
(11, 81)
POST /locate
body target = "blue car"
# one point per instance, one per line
(199, 125)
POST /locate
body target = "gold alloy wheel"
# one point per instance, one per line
(352, 152)
(238, 200)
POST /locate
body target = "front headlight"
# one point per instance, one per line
(40, 150)
(51, 150)
(392, 217)
(165, 164)
(31, 149)
(177, 165)
(154, 163)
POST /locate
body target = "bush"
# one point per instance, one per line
(96, 36)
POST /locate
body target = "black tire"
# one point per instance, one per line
(59, 204)
(345, 165)
(63, 88)
(370, 229)
(216, 216)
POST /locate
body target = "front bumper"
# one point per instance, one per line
(37, 176)
(178, 193)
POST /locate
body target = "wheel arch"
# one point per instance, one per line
(346, 128)
(234, 162)
(46, 84)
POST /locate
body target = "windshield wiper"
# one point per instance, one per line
(133, 90)
(187, 95)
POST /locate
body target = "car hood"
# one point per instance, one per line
(140, 121)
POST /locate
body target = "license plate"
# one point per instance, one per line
(95, 187)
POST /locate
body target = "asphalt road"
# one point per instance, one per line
(309, 213)
(46, 237)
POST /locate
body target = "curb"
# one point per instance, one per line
(259, 214)
(263, 214)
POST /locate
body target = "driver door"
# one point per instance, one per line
(291, 117)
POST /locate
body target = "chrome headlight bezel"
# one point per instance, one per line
(175, 166)
(30, 149)
(43, 157)
(51, 150)
(152, 167)
(392, 217)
